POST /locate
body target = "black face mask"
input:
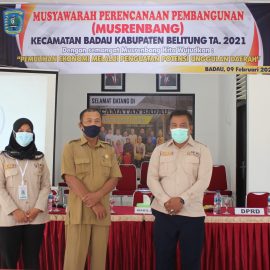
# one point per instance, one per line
(91, 131)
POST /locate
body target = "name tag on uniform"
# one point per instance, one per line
(23, 192)
(166, 153)
(10, 166)
(194, 153)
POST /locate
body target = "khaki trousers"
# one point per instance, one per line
(81, 239)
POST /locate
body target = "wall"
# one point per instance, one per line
(215, 117)
(30, 94)
(258, 133)
(227, 127)
(213, 120)
(206, 90)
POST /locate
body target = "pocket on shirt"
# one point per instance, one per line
(10, 174)
(38, 168)
(191, 166)
(82, 165)
(38, 171)
(106, 165)
(166, 165)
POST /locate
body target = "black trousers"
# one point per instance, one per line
(25, 239)
(168, 230)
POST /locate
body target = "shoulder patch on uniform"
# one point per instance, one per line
(76, 140)
(107, 143)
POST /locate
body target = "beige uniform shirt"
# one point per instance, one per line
(93, 166)
(180, 172)
(37, 180)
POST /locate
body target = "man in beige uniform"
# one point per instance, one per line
(179, 172)
(90, 168)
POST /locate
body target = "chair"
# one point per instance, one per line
(62, 187)
(257, 199)
(53, 191)
(63, 190)
(208, 198)
(219, 181)
(62, 184)
(127, 183)
(144, 169)
(138, 196)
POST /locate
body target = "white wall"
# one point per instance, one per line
(71, 100)
(258, 133)
(227, 128)
(26, 93)
(214, 110)
(206, 90)
(215, 117)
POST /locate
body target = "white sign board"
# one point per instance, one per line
(143, 210)
(249, 211)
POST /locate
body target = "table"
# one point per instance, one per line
(231, 242)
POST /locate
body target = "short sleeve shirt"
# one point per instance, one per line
(180, 172)
(93, 166)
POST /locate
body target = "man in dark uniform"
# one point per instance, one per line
(90, 169)
(178, 174)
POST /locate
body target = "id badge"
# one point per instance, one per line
(23, 192)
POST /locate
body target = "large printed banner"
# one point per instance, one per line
(139, 39)
(135, 124)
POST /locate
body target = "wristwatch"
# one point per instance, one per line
(181, 200)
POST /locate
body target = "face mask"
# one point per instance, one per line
(91, 131)
(179, 135)
(24, 138)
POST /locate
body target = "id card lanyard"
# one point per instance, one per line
(22, 191)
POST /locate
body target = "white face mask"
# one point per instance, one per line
(179, 135)
(24, 138)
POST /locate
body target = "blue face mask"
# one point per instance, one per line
(24, 138)
(179, 135)
(91, 131)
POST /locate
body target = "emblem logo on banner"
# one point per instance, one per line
(13, 21)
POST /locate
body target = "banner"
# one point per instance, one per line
(224, 38)
(135, 124)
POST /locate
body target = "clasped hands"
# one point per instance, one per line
(21, 216)
(174, 205)
(92, 200)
